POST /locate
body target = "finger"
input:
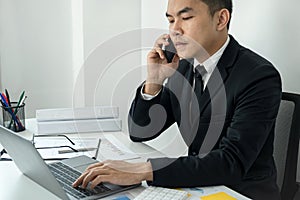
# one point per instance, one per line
(153, 53)
(108, 161)
(99, 179)
(163, 37)
(92, 175)
(162, 41)
(156, 53)
(160, 53)
(175, 58)
(99, 164)
(80, 179)
(89, 177)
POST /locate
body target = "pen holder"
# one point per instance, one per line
(14, 117)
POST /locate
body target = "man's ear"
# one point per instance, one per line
(223, 17)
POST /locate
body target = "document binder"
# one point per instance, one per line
(79, 126)
(58, 114)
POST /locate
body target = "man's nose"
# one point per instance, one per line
(176, 29)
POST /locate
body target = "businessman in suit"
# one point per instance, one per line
(224, 99)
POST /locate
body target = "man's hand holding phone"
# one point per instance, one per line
(162, 63)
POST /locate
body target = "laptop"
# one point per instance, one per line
(56, 177)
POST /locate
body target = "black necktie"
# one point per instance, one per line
(199, 71)
(198, 75)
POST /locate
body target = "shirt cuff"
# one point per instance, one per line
(148, 97)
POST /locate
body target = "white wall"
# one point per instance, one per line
(44, 43)
(153, 17)
(272, 29)
(112, 52)
(36, 51)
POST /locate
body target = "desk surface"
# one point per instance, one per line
(14, 185)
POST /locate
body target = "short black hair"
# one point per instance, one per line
(216, 5)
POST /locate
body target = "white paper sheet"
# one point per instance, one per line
(111, 148)
(56, 153)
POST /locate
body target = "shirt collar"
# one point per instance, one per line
(211, 63)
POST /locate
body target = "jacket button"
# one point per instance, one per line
(194, 153)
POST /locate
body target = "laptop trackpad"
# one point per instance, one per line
(80, 162)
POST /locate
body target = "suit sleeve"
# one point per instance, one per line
(149, 118)
(256, 106)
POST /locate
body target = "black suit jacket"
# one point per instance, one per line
(237, 110)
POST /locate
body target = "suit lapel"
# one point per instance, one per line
(220, 74)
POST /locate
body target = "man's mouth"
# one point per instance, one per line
(180, 44)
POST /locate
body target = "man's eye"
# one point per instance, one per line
(187, 18)
(171, 21)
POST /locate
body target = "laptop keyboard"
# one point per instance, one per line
(67, 175)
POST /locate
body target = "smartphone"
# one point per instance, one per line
(169, 51)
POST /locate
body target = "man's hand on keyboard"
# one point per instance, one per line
(116, 172)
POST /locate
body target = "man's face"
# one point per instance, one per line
(192, 28)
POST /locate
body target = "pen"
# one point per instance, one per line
(16, 110)
(2, 103)
(20, 99)
(77, 150)
(23, 100)
(10, 112)
(8, 108)
(7, 95)
(97, 151)
(5, 98)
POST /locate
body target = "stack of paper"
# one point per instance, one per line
(78, 120)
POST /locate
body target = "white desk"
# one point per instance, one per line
(15, 186)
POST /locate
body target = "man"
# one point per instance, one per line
(239, 111)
